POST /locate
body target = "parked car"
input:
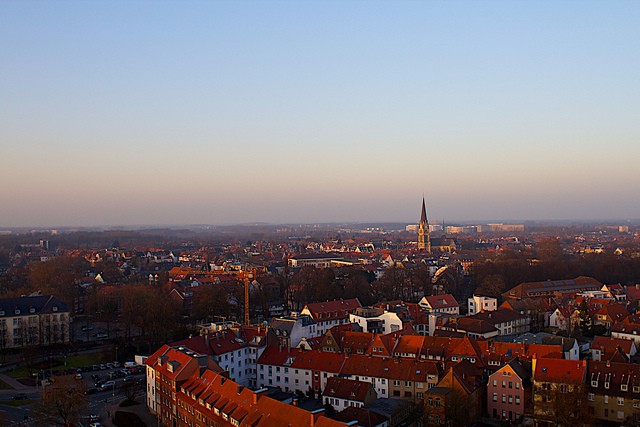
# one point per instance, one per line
(91, 390)
(116, 364)
(78, 376)
(20, 396)
(107, 385)
(128, 378)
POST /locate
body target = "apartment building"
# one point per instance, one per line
(33, 321)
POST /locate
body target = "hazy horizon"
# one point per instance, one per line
(284, 112)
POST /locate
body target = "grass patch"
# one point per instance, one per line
(86, 359)
(20, 373)
(21, 402)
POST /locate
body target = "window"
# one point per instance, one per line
(636, 388)
(504, 398)
(621, 415)
(620, 401)
(594, 383)
(606, 398)
(624, 387)
(504, 384)
(517, 385)
(517, 400)
(495, 383)
(591, 397)
(495, 397)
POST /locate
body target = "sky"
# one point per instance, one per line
(221, 112)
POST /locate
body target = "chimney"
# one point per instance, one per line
(315, 415)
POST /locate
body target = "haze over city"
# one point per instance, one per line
(118, 113)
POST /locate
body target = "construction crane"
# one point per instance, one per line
(246, 300)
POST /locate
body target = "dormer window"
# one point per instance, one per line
(17, 311)
(1, 312)
(55, 308)
(32, 310)
(594, 383)
(606, 385)
(624, 387)
(636, 388)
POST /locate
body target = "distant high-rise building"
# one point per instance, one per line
(424, 239)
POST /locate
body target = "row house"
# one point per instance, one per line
(509, 392)
(342, 393)
(609, 315)
(458, 397)
(497, 354)
(605, 348)
(235, 350)
(33, 321)
(628, 329)
(613, 391)
(202, 396)
(331, 313)
(166, 369)
(558, 390)
(393, 377)
(312, 369)
(570, 347)
(342, 339)
(274, 368)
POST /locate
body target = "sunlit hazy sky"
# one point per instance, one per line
(132, 112)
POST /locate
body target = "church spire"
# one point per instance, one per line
(424, 240)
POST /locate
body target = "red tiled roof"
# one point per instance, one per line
(316, 360)
(339, 309)
(608, 345)
(560, 371)
(343, 388)
(437, 302)
(274, 355)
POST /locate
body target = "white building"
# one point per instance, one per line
(478, 303)
(376, 320)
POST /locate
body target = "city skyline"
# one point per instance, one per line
(148, 113)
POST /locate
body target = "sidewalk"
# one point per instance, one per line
(16, 386)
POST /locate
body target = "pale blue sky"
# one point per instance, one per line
(131, 112)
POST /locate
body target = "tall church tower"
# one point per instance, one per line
(424, 240)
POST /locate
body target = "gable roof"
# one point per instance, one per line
(344, 388)
(437, 302)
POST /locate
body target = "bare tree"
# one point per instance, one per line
(62, 402)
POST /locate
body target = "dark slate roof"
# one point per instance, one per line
(42, 304)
